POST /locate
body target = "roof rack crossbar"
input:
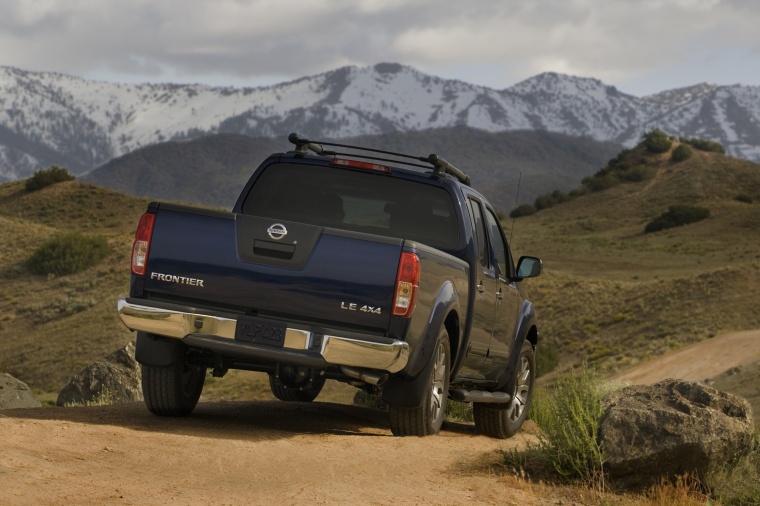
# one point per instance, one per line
(440, 165)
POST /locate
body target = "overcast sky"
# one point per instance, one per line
(639, 46)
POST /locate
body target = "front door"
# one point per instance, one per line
(508, 299)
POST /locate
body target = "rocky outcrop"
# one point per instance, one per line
(659, 431)
(15, 393)
(111, 380)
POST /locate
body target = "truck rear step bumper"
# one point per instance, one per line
(218, 333)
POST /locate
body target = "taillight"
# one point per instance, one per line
(142, 243)
(357, 164)
(407, 283)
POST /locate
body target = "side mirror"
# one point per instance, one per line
(528, 267)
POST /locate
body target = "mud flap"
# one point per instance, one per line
(153, 350)
(408, 392)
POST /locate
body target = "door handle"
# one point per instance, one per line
(481, 288)
(500, 295)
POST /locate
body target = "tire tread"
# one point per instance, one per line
(162, 387)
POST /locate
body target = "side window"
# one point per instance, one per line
(499, 244)
(480, 232)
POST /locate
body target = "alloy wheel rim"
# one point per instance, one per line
(521, 392)
(437, 401)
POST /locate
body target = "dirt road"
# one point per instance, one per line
(259, 452)
(699, 361)
(272, 452)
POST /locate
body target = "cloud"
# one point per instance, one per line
(495, 42)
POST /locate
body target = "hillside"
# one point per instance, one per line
(48, 118)
(614, 295)
(51, 327)
(610, 294)
(212, 170)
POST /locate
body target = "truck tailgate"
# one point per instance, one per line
(309, 273)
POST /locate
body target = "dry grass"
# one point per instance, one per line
(610, 294)
(50, 328)
(615, 296)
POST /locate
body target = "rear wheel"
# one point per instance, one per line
(503, 421)
(173, 390)
(306, 392)
(426, 419)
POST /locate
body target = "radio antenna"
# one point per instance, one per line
(517, 198)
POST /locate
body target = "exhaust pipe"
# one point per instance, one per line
(373, 378)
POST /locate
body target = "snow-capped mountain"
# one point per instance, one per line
(50, 118)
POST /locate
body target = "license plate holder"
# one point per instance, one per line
(260, 331)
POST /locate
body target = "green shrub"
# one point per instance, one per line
(738, 483)
(47, 177)
(704, 145)
(106, 397)
(550, 200)
(570, 414)
(636, 173)
(522, 210)
(676, 216)
(744, 198)
(68, 254)
(657, 141)
(578, 192)
(681, 153)
(547, 358)
(601, 182)
(459, 411)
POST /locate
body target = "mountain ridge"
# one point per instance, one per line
(47, 118)
(496, 163)
(610, 293)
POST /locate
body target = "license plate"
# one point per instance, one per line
(260, 331)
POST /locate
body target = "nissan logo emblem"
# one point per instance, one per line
(277, 231)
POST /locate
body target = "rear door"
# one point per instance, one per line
(484, 308)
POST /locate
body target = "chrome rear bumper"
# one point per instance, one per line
(177, 322)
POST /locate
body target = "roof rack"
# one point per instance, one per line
(440, 166)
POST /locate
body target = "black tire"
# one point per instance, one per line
(173, 390)
(307, 393)
(426, 419)
(499, 421)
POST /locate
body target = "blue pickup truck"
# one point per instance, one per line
(379, 269)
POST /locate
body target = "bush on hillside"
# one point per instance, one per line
(657, 141)
(676, 216)
(550, 200)
(743, 197)
(635, 174)
(578, 192)
(599, 182)
(522, 210)
(703, 145)
(547, 358)
(681, 153)
(68, 254)
(47, 177)
(618, 170)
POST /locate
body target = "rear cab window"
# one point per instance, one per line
(355, 200)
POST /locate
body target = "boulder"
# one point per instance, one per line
(111, 380)
(15, 393)
(651, 432)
